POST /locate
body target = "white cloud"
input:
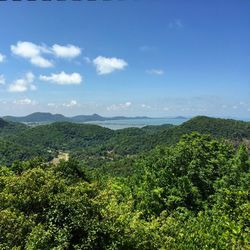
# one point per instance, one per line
(2, 57)
(127, 104)
(26, 49)
(30, 77)
(105, 65)
(121, 106)
(175, 24)
(72, 103)
(62, 78)
(32, 52)
(155, 71)
(51, 104)
(25, 101)
(2, 80)
(23, 84)
(69, 51)
(19, 85)
(41, 62)
(145, 106)
(35, 53)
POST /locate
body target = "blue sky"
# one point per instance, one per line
(144, 57)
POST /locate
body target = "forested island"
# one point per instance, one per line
(45, 117)
(80, 186)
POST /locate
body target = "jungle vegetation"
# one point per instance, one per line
(159, 187)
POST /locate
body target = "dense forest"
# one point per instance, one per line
(158, 187)
(85, 141)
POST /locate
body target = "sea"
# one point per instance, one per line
(137, 123)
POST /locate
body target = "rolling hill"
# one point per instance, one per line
(86, 139)
(11, 128)
(37, 117)
(23, 141)
(41, 117)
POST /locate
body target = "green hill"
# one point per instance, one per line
(219, 128)
(63, 135)
(37, 117)
(44, 117)
(227, 128)
(11, 128)
(131, 141)
(3, 123)
(83, 140)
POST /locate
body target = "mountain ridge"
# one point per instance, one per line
(46, 117)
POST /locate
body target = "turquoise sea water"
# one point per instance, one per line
(138, 123)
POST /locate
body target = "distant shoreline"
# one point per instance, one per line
(137, 123)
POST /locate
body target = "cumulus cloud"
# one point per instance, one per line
(2, 57)
(2, 80)
(121, 106)
(26, 49)
(35, 53)
(41, 62)
(23, 84)
(70, 104)
(155, 71)
(68, 51)
(62, 78)
(25, 101)
(32, 52)
(106, 65)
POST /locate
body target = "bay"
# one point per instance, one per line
(137, 123)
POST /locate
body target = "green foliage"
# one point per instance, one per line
(42, 209)
(182, 175)
(11, 151)
(11, 128)
(89, 142)
(129, 189)
(194, 195)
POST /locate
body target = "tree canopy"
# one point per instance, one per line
(191, 195)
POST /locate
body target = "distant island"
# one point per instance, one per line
(44, 117)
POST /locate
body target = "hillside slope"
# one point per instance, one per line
(230, 129)
(63, 135)
(11, 128)
(37, 117)
(83, 140)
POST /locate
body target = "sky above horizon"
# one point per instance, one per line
(144, 57)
